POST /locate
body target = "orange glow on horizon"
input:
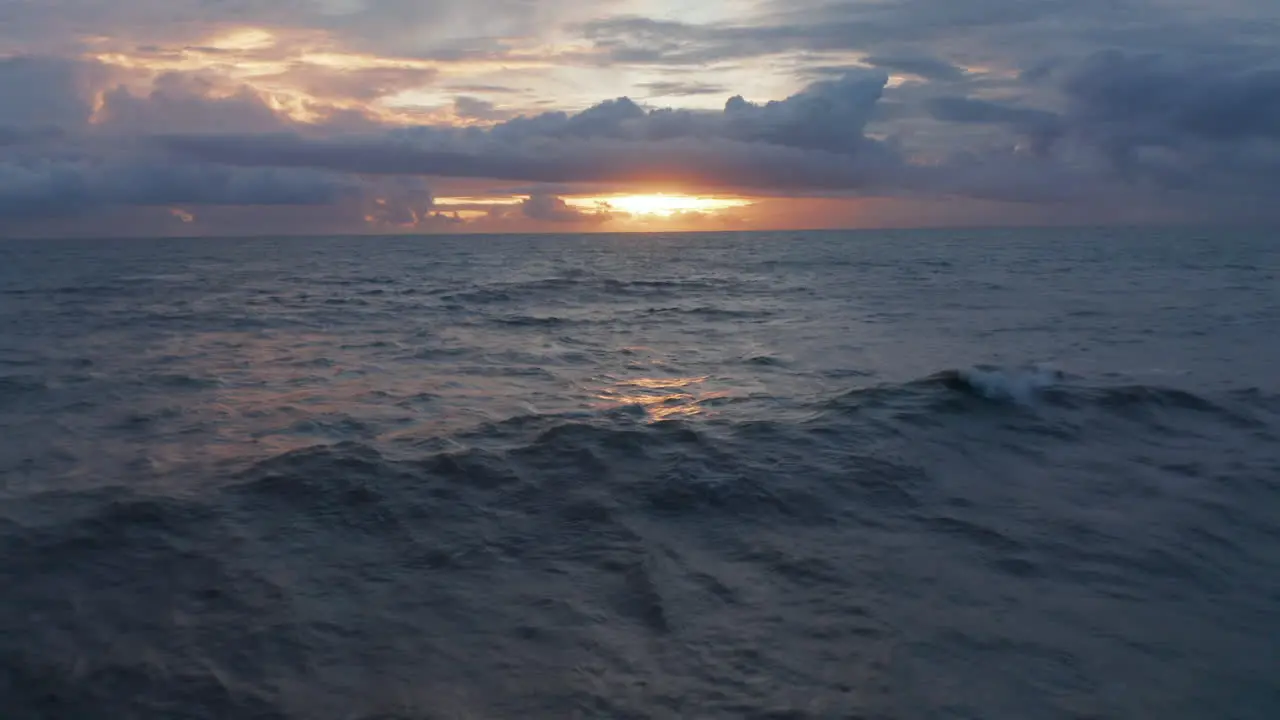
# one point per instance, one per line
(659, 204)
(484, 200)
(658, 207)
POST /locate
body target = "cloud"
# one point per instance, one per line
(813, 142)
(50, 187)
(1158, 96)
(1210, 127)
(1040, 127)
(814, 139)
(675, 88)
(973, 110)
(189, 103)
(471, 108)
(45, 92)
(927, 35)
(363, 84)
(395, 27)
(28, 137)
(482, 88)
(706, 164)
(353, 110)
(929, 68)
(403, 202)
(554, 209)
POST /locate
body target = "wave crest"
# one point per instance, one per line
(1022, 385)
(1045, 391)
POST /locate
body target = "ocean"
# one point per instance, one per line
(980, 474)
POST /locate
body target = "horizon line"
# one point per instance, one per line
(586, 233)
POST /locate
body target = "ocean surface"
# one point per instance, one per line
(970, 474)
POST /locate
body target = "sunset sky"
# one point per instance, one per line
(233, 117)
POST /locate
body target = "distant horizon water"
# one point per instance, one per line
(1168, 227)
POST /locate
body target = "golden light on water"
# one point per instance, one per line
(661, 398)
(658, 204)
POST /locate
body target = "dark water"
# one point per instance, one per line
(940, 475)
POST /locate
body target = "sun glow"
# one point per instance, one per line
(658, 204)
(249, 38)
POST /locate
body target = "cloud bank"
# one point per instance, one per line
(198, 117)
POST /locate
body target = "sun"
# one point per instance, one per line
(659, 204)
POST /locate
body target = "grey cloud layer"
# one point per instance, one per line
(812, 140)
(1018, 31)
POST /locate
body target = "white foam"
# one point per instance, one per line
(1020, 385)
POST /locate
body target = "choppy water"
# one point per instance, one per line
(885, 475)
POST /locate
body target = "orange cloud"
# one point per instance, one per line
(307, 75)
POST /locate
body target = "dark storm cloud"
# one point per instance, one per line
(973, 110)
(1187, 124)
(1203, 127)
(1040, 126)
(1162, 96)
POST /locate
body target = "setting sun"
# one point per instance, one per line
(659, 204)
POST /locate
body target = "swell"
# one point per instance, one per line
(14, 386)
(211, 603)
(582, 284)
(989, 390)
(542, 545)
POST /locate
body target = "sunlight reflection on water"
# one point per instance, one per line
(662, 398)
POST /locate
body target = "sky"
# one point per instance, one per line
(257, 117)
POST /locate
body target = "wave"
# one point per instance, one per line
(578, 284)
(532, 321)
(1042, 388)
(1019, 385)
(12, 386)
(709, 312)
(531, 539)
